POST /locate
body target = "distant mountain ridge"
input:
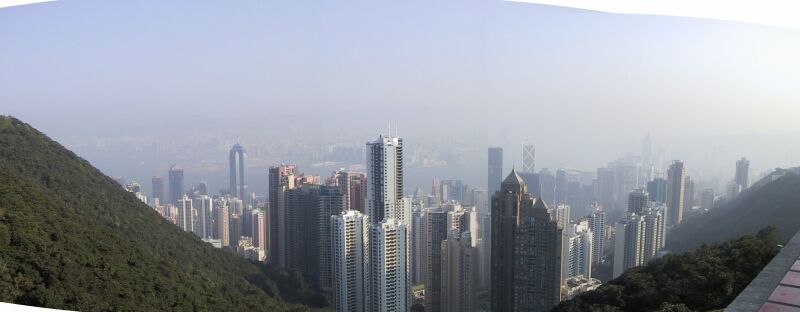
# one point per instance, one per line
(772, 201)
(71, 238)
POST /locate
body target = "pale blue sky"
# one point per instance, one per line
(493, 72)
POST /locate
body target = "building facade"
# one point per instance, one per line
(388, 289)
(281, 179)
(495, 169)
(638, 238)
(436, 229)
(637, 201)
(176, 187)
(526, 250)
(459, 273)
(675, 192)
(597, 223)
(390, 215)
(349, 250)
(576, 255)
(742, 177)
(330, 203)
(236, 160)
(157, 184)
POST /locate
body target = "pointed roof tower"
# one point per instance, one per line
(513, 183)
(513, 178)
(540, 204)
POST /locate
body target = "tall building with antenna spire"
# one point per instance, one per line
(389, 273)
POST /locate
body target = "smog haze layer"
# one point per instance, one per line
(134, 87)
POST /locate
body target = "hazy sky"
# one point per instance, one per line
(584, 86)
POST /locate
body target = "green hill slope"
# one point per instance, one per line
(706, 279)
(72, 238)
(776, 203)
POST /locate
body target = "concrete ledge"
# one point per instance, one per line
(763, 293)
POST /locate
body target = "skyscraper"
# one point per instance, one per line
(707, 199)
(185, 214)
(688, 193)
(176, 189)
(548, 186)
(390, 272)
(507, 203)
(576, 254)
(628, 243)
(457, 217)
(302, 222)
(528, 158)
(436, 229)
(637, 201)
(537, 260)
(205, 209)
(626, 170)
(561, 187)
(605, 187)
(158, 189)
(358, 191)
(235, 229)
(525, 249)
(562, 212)
(654, 231)
(281, 179)
(436, 190)
(330, 203)
(341, 179)
(385, 180)
(388, 289)
(452, 190)
(222, 222)
(236, 159)
(350, 246)
(258, 230)
(733, 190)
(743, 173)
(459, 273)
(597, 223)
(675, 192)
(638, 238)
(576, 199)
(484, 245)
(532, 182)
(419, 246)
(657, 189)
(495, 172)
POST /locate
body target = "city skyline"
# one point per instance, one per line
(400, 156)
(146, 126)
(538, 257)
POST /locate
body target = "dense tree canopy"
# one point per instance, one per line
(72, 238)
(705, 279)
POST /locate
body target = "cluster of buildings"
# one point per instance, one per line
(526, 242)
(540, 255)
(229, 220)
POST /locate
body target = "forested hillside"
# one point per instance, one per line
(775, 204)
(706, 279)
(71, 238)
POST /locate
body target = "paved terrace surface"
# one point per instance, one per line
(777, 287)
